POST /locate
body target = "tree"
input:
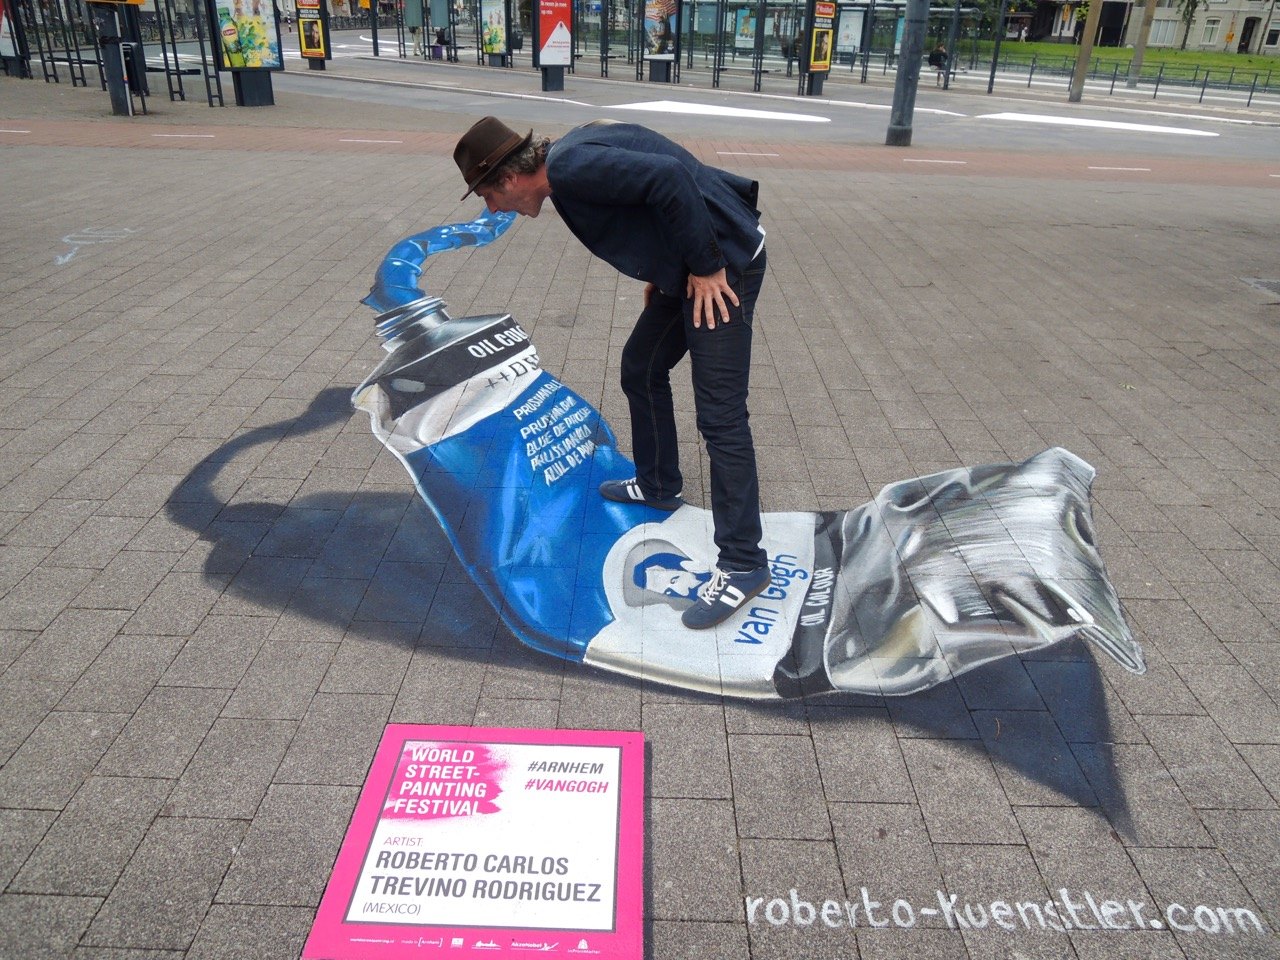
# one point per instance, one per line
(1187, 11)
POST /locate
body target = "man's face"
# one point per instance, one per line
(513, 193)
(673, 583)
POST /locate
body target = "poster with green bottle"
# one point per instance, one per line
(246, 34)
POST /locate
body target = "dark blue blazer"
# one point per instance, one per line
(645, 205)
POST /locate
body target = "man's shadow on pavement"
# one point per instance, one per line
(376, 565)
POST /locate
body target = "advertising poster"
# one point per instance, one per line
(744, 28)
(8, 39)
(661, 28)
(247, 35)
(469, 842)
(493, 26)
(555, 42)
(311, 30)
(849, 35)
(823, 18)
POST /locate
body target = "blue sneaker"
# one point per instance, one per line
(628, 491)
(724, 595)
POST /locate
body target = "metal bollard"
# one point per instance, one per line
(1114, 73)
(1159, 76)
(1204, 84)
(1032, 72)
(1252, 87)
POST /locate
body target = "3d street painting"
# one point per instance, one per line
(936, 576)
(947, 602)
(987, 576)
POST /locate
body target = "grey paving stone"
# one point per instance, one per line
(126, 581)
(40, 596)
(1248, 840)
(764, 768)
(86, 849)
(696, 940)
(336, 740)
(1158, 691)
(753, 716)
(50, 523)
(281, 681)
(1079, 852)
(55, 759)
(1195, 878)
(400, 592)
(1139, 797)
(178, 605)
(688, 750)
(1085, 710)
(219, 653)
(230, 772)
(285, 859)
(185, 858)
(693, 861)
(893, 944)
(884, 848)
(233, 931)
(516, 713)
(959, 792)
(24, 704)
(1110, 945)
(1264, 761)
(990, 944)
(12, 645)
(937, 712)
(320, 611)
(859, 758)
(262, 586)
(68, 645)
(1204, 764)
(515, 671)
(1034, 763)
(592, 699)
(165, 732)
(440, 687)
(20, 832)
(1239, 706)
(123, 674)
(43, 928)
(372, 658)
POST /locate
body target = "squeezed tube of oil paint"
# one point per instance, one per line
(936, 576)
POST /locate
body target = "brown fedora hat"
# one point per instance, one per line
(483, 148)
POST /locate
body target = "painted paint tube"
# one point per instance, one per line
(936, 576)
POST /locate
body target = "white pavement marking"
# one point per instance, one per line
(743, 153)
(356, 140)
(15, 131)
(185, 136)
(1097, 124)
(1129, 169)
(1277, 175)
(914, 160)
(706, 110)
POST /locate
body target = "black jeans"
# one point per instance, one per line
(721, 360)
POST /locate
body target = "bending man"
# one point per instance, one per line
(692, 233)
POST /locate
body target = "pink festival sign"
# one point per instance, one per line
(470, 842)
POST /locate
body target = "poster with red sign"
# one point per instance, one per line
(823, 18)
(470, 842)
(554, 36)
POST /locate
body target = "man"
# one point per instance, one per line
(692, 233)
(938, 60)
